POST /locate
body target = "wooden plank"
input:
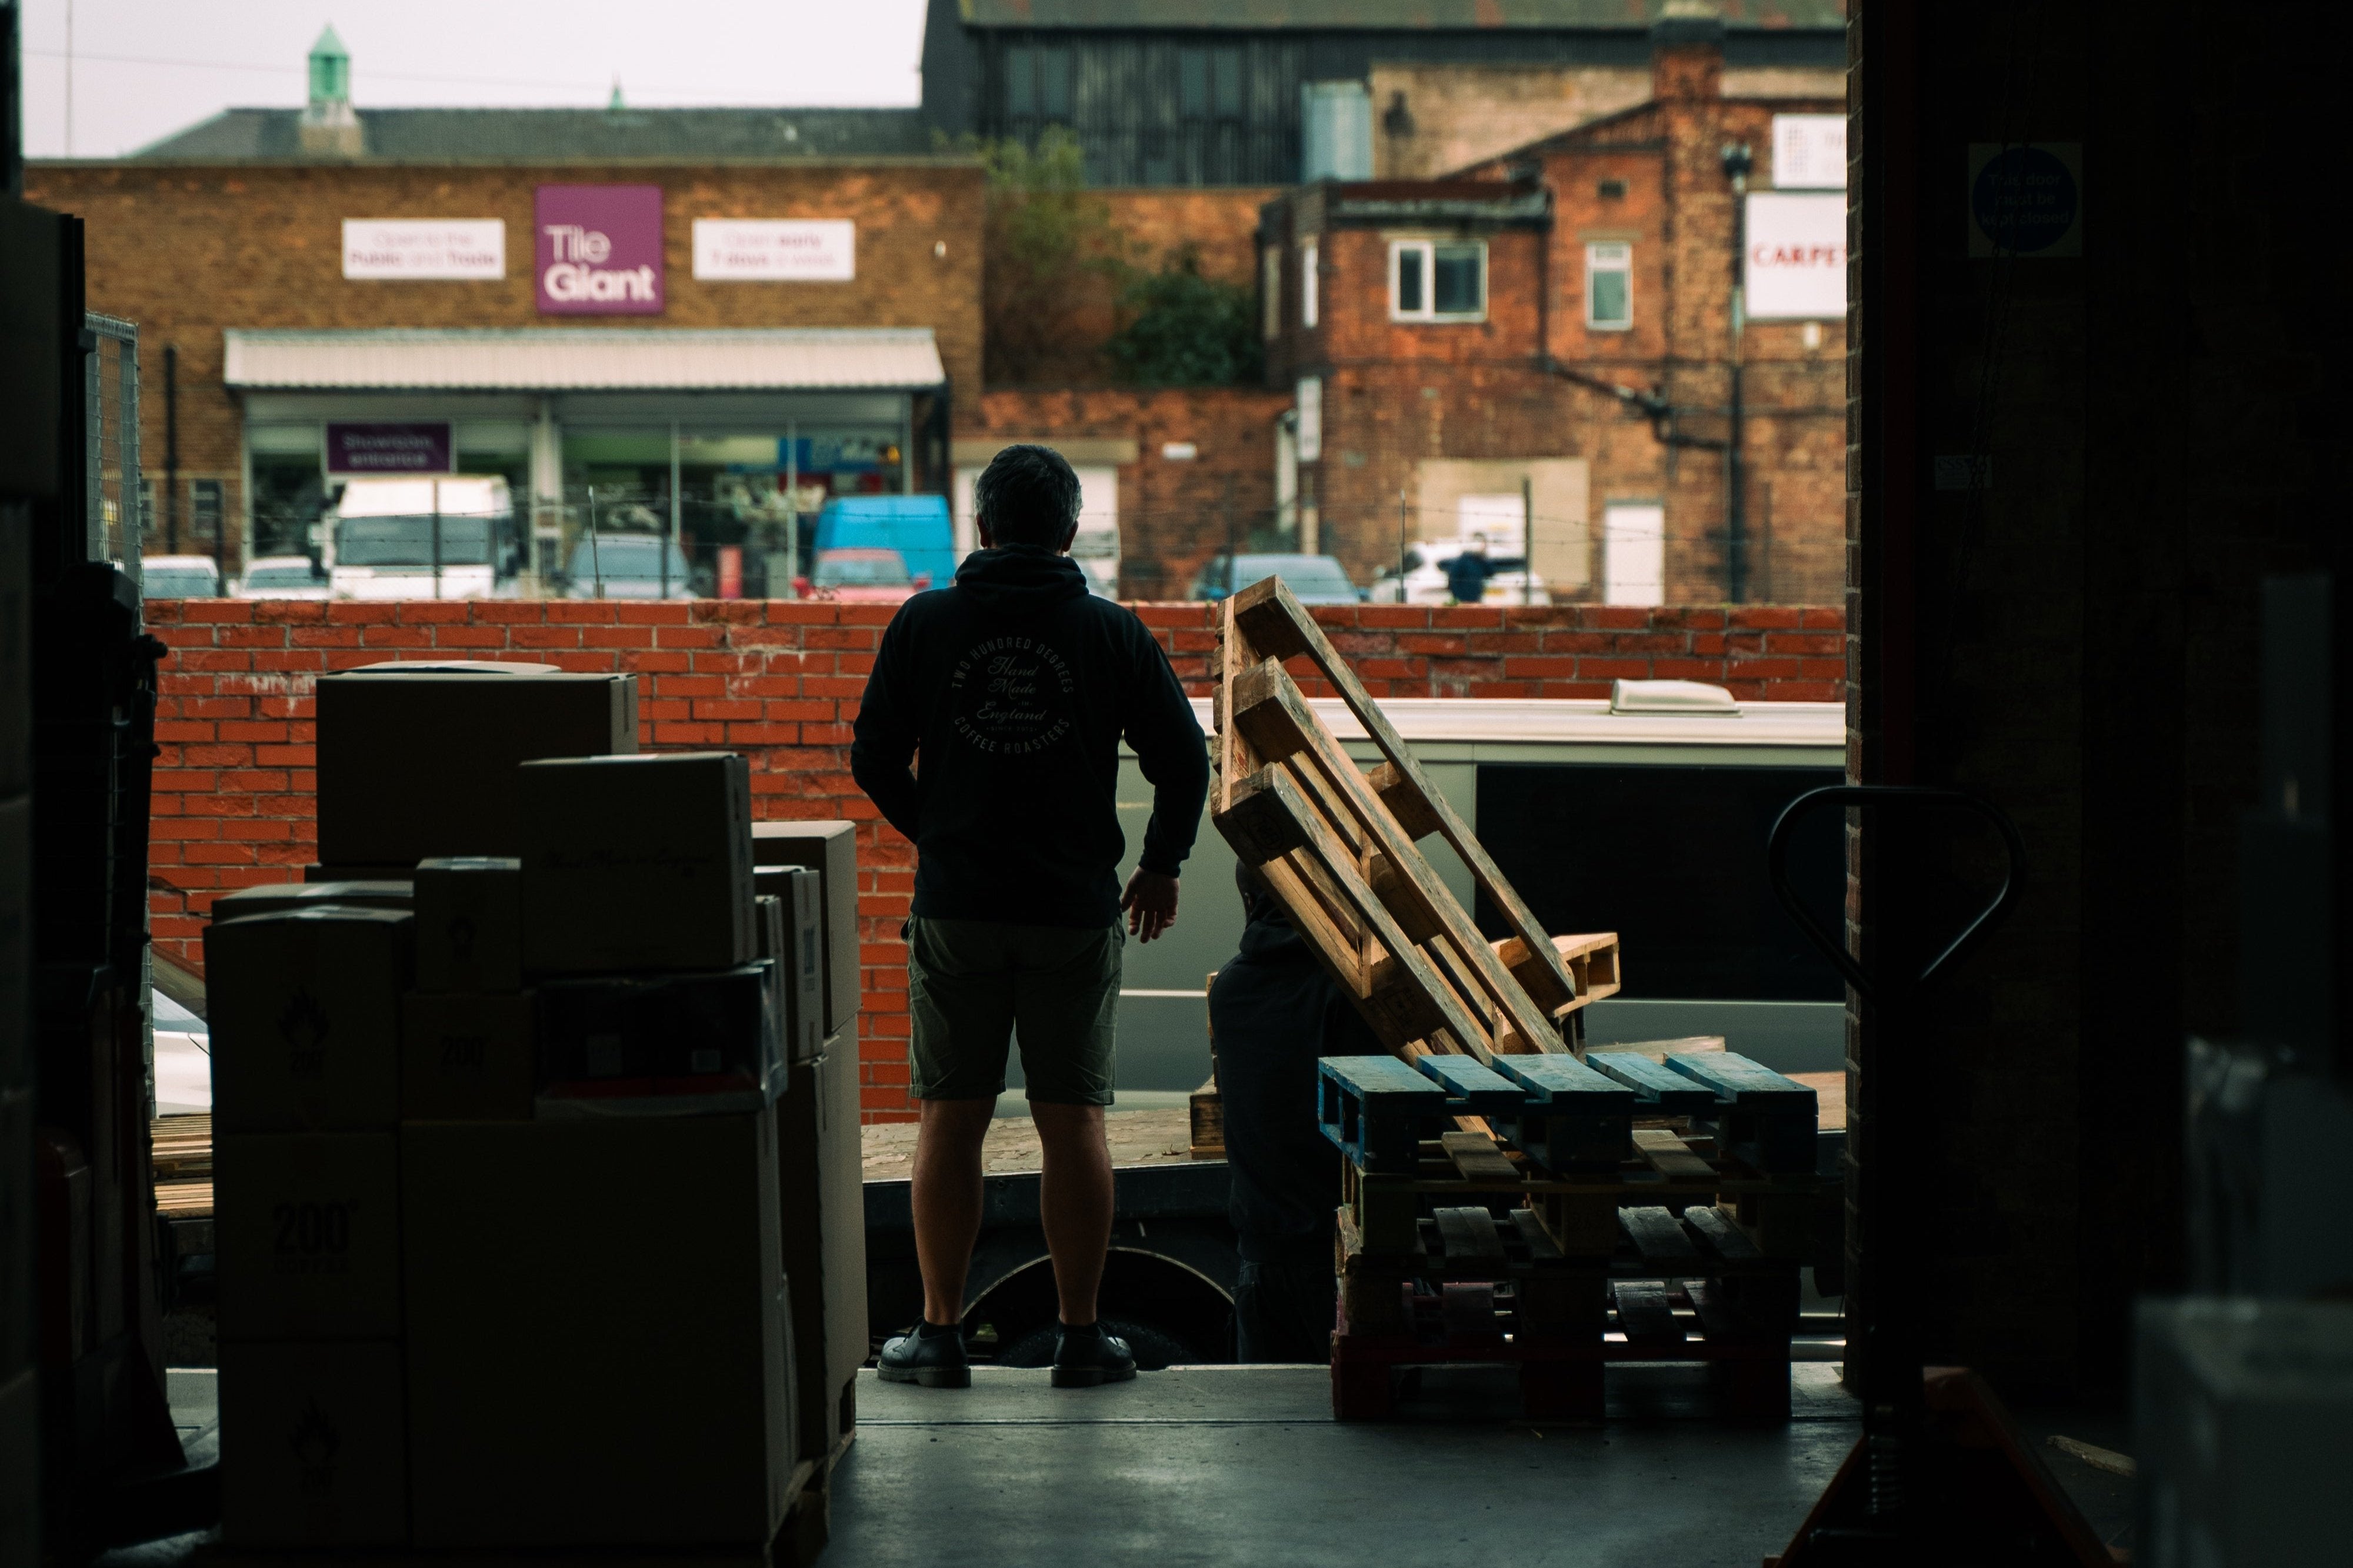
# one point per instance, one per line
(1644, 1313)
(1659, 1236)
(1276, 705)
(1405, 800)
(1658, 1050)
(1654, 1085)
(1483, 1092)
(1206, 1123)
(1728, 1240)
(1271, 784)
(1542, 1248)
(1563, 1081)
(1477, 1157)
(1469, 1234)
(1385, 1083)
(1748, 1084)
(1671, 1156)
(1278, 627)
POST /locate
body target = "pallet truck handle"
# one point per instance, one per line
(1907, 798)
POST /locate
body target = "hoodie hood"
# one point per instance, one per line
(1019, 579)
(1274, 942)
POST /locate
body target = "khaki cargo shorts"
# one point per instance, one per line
(973, 985)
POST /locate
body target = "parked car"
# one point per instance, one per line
(283, 577)
(1312, 579)
(861, 577)
(1425, 580)
(179, 577)
(627, 566)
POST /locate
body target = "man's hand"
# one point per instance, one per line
(1150, 902)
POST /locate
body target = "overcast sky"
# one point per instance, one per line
(143, 69)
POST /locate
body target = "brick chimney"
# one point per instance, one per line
(1687, 52)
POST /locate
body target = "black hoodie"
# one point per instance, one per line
(1016, 686)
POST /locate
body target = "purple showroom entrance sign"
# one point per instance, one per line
(388, 448)
(599, 250)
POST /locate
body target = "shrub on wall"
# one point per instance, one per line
(1184, 330)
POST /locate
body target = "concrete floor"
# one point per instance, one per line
(1226, 1464)
(1230, 1465)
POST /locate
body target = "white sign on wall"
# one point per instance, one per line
(1795, 267)
(775, 250)
(424, 247)
(1809, 151)
(1311, 419)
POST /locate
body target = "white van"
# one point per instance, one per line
(420, 537)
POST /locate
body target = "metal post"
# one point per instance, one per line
(792, 500)
(171, 450)
(1527, 540)
(127, 451)
(1736, 522)
(93, 477)
(1401, 545)
(437, 536)
(595, 564)
(667, 545)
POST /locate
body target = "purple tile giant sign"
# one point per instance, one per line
(600, 250)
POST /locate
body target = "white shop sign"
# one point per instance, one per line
(425, 248)
(1809, 151)
(1795, 266)
(776, 250)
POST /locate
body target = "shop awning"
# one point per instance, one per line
(554, 359)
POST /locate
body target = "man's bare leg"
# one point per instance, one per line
(1075, 1200)
(947, 1195)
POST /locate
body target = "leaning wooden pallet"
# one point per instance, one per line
(1338, 845)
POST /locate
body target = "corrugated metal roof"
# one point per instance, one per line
(1382, 15)
(556, 359)
(423, 136)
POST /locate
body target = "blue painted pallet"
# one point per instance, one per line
(1474, 1090)
(1761, 1117)
(1658, 1091)
(1374, 1107)
(1575, 1119)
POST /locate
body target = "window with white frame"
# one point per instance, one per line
(1437, 280)
(1309, 293)
(1610, 286)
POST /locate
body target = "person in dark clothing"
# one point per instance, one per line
(1467, 573)
(1272, 1011)
(1014, 687)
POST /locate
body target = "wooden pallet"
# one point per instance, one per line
(1480, 1289)
(1579, 1210)
(1338, 846)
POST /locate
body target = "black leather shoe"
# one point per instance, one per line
(1087, 1357)
(935, 1361)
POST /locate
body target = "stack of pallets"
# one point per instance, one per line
(1501, 1203)
(1567, 1236)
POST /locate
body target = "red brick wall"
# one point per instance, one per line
(780, 682)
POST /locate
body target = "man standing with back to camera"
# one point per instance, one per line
(1014, 688)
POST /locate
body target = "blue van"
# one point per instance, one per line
(917, 527)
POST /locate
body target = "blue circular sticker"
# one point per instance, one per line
(2024, 200)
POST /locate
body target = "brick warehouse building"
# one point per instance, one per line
(1555, 325)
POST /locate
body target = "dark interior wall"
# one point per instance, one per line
(2157, 425)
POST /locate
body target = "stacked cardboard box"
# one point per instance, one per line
(560, 1243)
(822, 1172)
(419, 760)
(306, 1072)
(599, 1337)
